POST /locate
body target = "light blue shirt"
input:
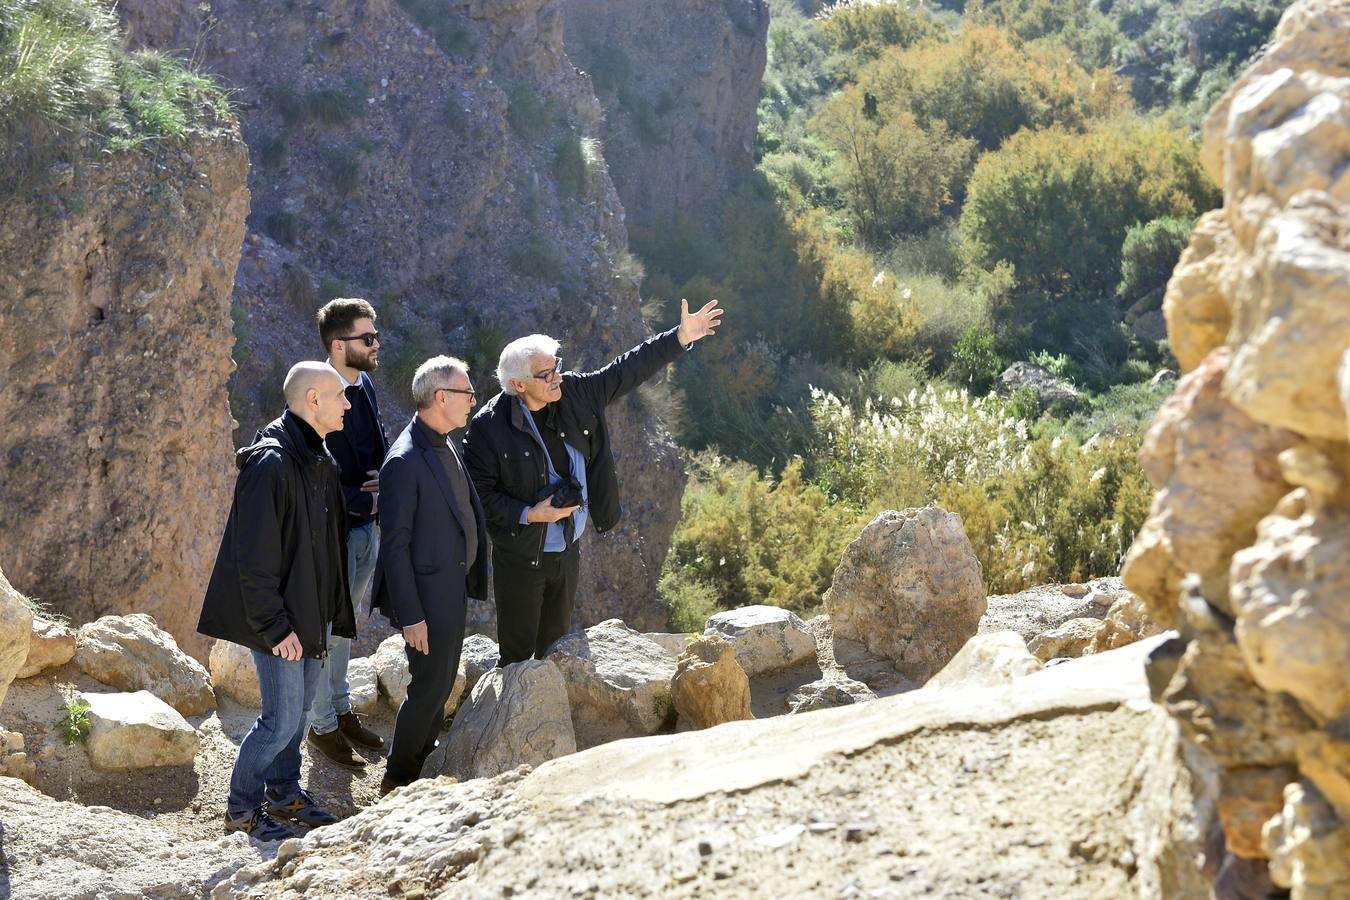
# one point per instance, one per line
(555, 540)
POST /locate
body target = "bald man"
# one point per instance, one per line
(278, 587)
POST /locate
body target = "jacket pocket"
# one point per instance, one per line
(426, 570)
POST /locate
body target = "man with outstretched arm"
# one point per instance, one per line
(279, 587)
(539, 453)
(433, 556)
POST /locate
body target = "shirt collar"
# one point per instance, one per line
(345, 383)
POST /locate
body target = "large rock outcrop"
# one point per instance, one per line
(679, 83)
(16, 627)
(434, 158)
(115, 464)
(1246, 547)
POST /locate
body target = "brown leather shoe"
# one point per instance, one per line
(334, 746)
(356, 733)
(386, 785)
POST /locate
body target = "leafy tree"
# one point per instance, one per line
(866, 29)
(1149, 255)
(1056, 204)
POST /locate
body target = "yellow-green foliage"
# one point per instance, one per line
(1056, 204)
(866, 29)
(744, 540)
(895, 175)
(986, 85)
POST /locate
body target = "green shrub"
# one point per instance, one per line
(577, 164)
(331, 106)
(535, 257)
(1056, 204)
(283, 227)
(1149, 255)
(74, 722)
(976, 361)
(530, 114)
(744, 539)
(865, 29)
(611, 69)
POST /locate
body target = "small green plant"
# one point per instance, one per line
(530, 115)
(535, 258)
(576, 166)
(283, 227)
(74, 721)
(298, 288)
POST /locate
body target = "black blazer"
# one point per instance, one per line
(339, 444)
(421, 570)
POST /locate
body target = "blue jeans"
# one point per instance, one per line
(269, 755)
(332, 698)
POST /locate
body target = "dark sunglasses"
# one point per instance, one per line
(369, 338)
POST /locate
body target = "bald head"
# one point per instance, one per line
(314, 392)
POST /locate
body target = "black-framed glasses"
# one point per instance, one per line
(470, 391)
(556, 370)
(369, 338)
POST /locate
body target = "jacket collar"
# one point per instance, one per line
(429, 447)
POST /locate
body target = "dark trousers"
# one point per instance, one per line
(433, 676)
(534, 605)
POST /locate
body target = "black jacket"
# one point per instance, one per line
(265, 583)
(509, 470)
(353, 474)
(421, 572)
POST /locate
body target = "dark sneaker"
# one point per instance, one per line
(259, 826)
(358, 734)
(300, 808)
(334, 746)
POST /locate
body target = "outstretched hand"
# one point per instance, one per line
(694, 326)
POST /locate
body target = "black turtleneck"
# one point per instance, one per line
(459, 484)
(312, 439)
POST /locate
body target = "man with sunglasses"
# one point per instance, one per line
(432, 559)
(539, 453)
(347, 330)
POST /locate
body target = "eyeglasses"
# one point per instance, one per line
(369, 338)
(470, 391)
(556, 370)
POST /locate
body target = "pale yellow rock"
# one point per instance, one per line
(1126, 622)
(1068, 640)
(1247, 800)
(16, 624)
(50, 644)
(1309, 846)
(709, 686)
(390, 661)
(233, 673)
(14, 761)
(1217, 474)
(1197, 310)
(1325, 760)
(136, 731)
(132, 653)
(996, 657)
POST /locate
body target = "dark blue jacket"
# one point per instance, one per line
(339, 443)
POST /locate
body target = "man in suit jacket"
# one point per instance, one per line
(433, 556)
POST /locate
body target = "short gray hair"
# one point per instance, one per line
(515, 358)
(434, 375)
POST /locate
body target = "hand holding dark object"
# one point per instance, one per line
(545, 511)
(567, 493)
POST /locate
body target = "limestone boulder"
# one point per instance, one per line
(363, 685)
(765, 638)
(1217, 473)
(14, 760)
(50, 645)
(827, 693)
(674, 644)
(709, 685)
(1126, 621)
(618, 682)
(480, 656)
(909, 588)
(233, 673)
(989, 659)
(137, 731)
(390, 661)
(1291, 590)
(1071, 640)
(1324, 759)
(132, 653)
(515, 716)
(1045, 607)
(1050, 392)
(16, 625)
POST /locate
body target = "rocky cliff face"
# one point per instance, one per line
(679, 83)
(1246, 549)
(436, 158)
(115, 465)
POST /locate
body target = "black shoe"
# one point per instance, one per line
(300, 808)
(259, 826)
(358, 734)
(334, 746)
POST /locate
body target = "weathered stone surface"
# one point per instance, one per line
(132, 653)
(1071, 640)
(1309, 846)
(909, 588)
(709, 686)
(1126, 622)
(480, 655)
(1324, 759)
(14, 761)
(618, 682)
(363, 685)
(136, 731)
(1292, 594)
(679, 84)
(515, 716)
(1048, 606)
(766, 638)
(1050, 392)
(997, 657)
(390, 660)
(113, 499)
(630, 817)
(827, 693)
(674, 644)
(1217, 474)
(1196, 306)
(1247, 800)
(233, 673)
(16, 625)
(50, 644)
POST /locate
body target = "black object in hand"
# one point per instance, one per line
(567, 493)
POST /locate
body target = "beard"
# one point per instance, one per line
(361, 362)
